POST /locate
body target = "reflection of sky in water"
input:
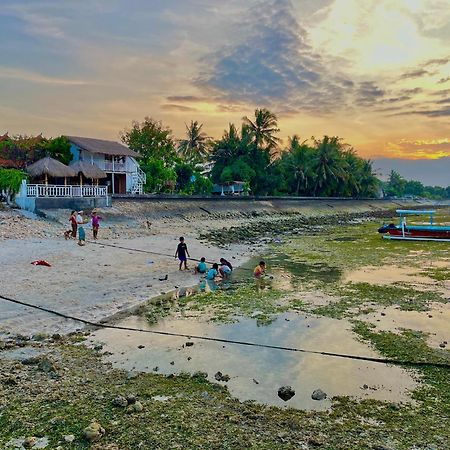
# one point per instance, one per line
(271, 368)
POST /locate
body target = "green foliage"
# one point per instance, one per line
(195, 148)
(58, 148)
(151, 140)
(159, 177)
(397, 186)
(10, 180)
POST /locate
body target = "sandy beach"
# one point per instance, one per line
(94, 281)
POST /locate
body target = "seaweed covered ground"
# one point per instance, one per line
(60, 392)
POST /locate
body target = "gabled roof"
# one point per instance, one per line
(101, 146)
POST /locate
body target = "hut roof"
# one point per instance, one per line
(88, 170)
(51, 167)
(101, 146)
(8, 163)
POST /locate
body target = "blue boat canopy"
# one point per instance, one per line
(414, 211)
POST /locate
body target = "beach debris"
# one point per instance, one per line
(189, 344)
(120, 401)
(131, 399)
(255, 381)
(150, 262)
(135, 407)
(165, 278)
(172, 363)
(155, 369)
(221, 377)
(318, 394)
(94, 431)
(161, 398)
(141, 346)
(41, 262)
(286, 393)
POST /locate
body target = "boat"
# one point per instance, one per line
(403, 231)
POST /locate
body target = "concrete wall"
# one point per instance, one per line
(71, 203)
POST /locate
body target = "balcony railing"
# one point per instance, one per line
(116, 167)
(53, 190)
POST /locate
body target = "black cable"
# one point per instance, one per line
(149, 252)
(229, 341)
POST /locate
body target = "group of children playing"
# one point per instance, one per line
(77, 220)
(224, 270)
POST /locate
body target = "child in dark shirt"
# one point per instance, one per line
(181, 252)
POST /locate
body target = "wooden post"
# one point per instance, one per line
(46, 179)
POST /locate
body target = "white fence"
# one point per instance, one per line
(53, 190)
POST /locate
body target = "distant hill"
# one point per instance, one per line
(431, 172)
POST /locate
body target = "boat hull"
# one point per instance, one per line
(424, 234)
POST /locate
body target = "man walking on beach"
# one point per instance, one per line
(181, 252)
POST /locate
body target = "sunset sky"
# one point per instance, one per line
(376, 72)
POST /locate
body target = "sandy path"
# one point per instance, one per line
(92, 282)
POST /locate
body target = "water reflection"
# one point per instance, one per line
(257, 373)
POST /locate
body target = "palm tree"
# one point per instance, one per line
(298, 162)
(263, 129)
(329, 167)
(196, 147)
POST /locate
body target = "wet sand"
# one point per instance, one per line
(93, 282)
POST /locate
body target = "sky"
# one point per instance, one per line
(375, 72)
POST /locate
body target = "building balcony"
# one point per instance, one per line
(54, 190)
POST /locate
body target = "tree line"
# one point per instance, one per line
(251, 153)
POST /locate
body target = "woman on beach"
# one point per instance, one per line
(95, 223)
(81, 232)
(73, 222)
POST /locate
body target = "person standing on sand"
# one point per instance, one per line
(81, 232)
(181, 252)
(95, 223)
(73, 222)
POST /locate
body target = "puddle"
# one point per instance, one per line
(257, 373)
(388, 275)
(436, 322)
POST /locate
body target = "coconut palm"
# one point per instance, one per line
(196, 147)
(298, 162)
(328, 165)
(263, 129)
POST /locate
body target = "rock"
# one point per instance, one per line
(155, 369)
(120, 402)
(318, 394)
(172, 363)
(141, 346)
(286, 393)
(442, 345)
(93, 432)
(29, 442)
(220, 377)
(255, 381)
(69, 438)
(46, 365)
(135, 407)
(131, 399)
(189, 344)
(165, 278)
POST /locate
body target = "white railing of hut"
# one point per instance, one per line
(53, 190)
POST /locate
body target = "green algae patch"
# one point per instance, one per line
(359, 298)
(244, 300)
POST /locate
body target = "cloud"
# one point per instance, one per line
(274, 65)
(437, 62)
(34, 77)
(419, 148)
(415, 74)
(180, 108)
(444, 80)
(187, 99)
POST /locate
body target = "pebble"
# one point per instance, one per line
(93, 432)
(318, 394)
(286, 393)
(120, 402)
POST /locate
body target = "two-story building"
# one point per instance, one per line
(124, 175)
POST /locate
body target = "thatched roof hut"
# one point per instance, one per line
(50, 167)
(88, 170)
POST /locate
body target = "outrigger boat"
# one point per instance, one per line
(403, 231)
